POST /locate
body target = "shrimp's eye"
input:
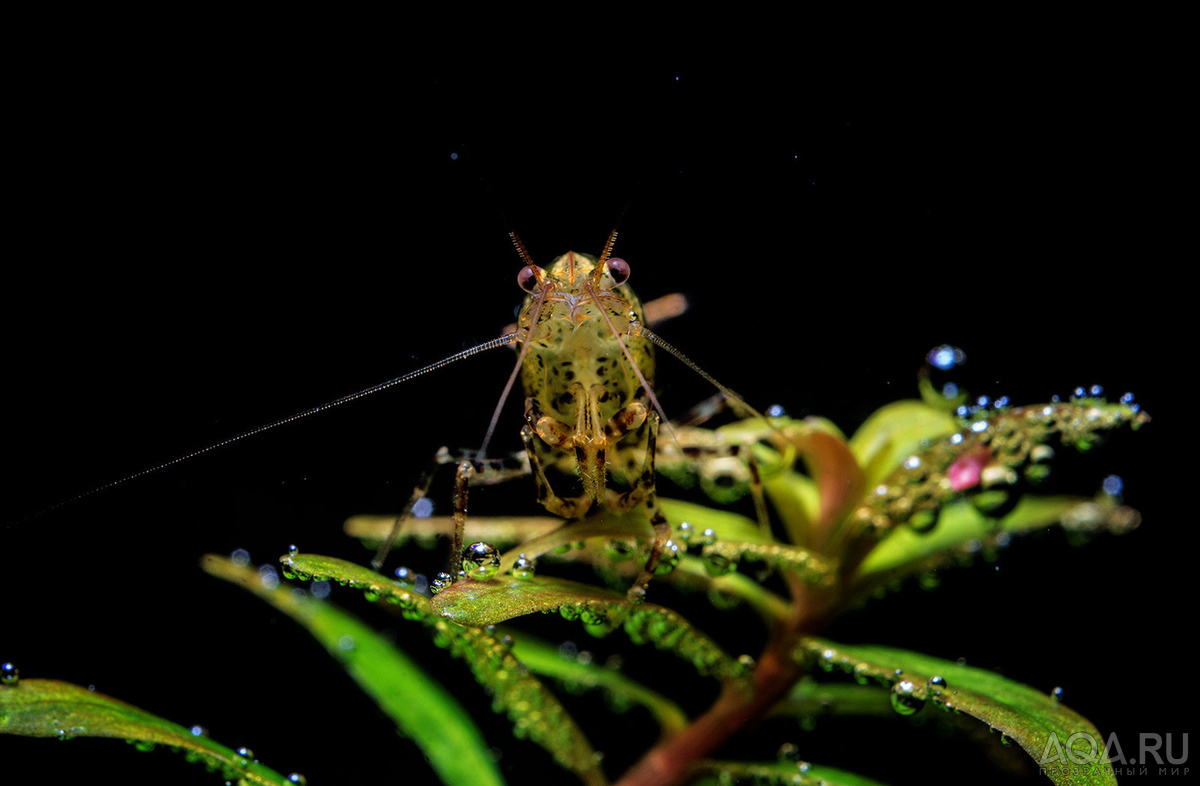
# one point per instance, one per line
(529, 277)
(619, 270)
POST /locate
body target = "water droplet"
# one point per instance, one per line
(297, 778)
(946, 357)
(9, 674)
(718, 564)
(935, 685)
(1096, 390)
(481, 561)
(292, 550)
(907, 699)
(524, 567)
(198, 731)
(619, 550)
(440, 583)
(924, 520)
(1056, 695)
(422, 508)
(684, 532)
(1112, 485)
(708, 537)
(775, 411)
(669, 558)
(246, 753)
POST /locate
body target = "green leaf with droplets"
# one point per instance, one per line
(894, 432)
(48, 708)
(961, 527)
(779, 774)
(545, 659)
(533, 710)
(1027, 716)
(481, 603)
(422, 709)
(488, 602)
(808, 565)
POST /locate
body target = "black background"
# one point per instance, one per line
(214, 232)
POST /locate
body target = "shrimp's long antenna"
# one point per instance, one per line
(736, 402)
(496, 342)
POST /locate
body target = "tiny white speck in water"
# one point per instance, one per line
(956, 439)
(1096, 390)
(979, 425)
(197, 731)
(454, 156)
(422, 508)
(912, 462)
(1112, 485)
(949, 390)
(320, 589)
(775, 411)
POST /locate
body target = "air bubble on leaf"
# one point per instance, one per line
(708, 537)
(669, 559)
(619, 550)
(906, 698)
(684, 532)
(298, 779)
(524, 567)
(935, 685)
(9, 674)
(924, 520)
(440, 583)
(775, 411)
(788, 752)
(246, 753)
(481, 561)
(1056, 695)
(292, 550)
(718, 564)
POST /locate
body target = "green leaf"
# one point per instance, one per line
(422, 709)
(48, 708)
(545, 659)
(961, 526)
(479, 603)
(893, 433)
(780, 774)
(1027, 716)
(533, 710)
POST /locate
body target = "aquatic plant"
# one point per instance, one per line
(921, 486)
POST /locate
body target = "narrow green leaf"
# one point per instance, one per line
(422, 709)
(48, 708)
(488, 602)
(780, 774)
(961, 526)
(482, 603)
(533, 710)
(545, 659)
(1027, 716)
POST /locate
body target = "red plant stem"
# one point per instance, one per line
(670, 761)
